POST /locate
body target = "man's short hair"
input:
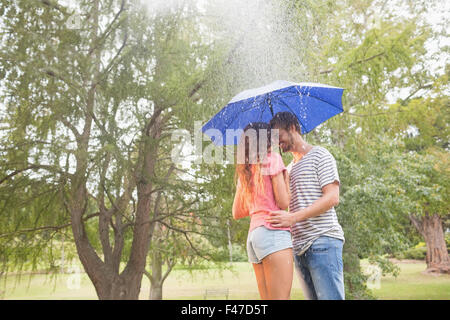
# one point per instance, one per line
(285, 120)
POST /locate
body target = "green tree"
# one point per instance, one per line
(88, 104)
(187, 229)
(422, 125)
(425, 178)
(373, 52)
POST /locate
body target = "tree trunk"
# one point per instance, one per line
(108, 283)
(430, 227)
(156, 291)
(230, 245)
(62, 267)
(156, 277)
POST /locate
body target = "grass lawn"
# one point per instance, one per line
(410, 284)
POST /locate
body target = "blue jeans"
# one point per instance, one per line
(320, 270)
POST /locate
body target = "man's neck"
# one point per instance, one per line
(300, 149)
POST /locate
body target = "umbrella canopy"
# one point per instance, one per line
(311, 103)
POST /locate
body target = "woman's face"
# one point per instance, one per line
(256, 146)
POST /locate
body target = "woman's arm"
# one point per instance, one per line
(287, 181)
(240, 210)
(280, 186)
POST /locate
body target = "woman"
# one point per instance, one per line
(262, 186)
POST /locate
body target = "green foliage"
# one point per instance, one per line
(419, 251)
(239, 254)
(420, 245)
(381, 183)
(412, 253)
(55, 80)
(425, 180)
(392, 158)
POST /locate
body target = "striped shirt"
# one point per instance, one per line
(308, 176)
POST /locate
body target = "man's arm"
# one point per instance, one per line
(329, 199)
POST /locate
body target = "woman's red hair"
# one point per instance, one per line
(251, 154)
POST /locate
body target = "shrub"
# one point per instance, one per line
(420, 245)
(239, 254)
(416, 253)
(419, 251)
(223, 254)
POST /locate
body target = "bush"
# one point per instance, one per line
(420, 245)
(239, 254)
(419, 253)
(223, 254)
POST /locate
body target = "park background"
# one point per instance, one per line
(92, 204)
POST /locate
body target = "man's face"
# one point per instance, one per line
(286, 140)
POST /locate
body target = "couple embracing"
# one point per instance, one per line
(309, 236)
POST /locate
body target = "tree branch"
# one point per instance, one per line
(417, 223)
(148, 275)
(55, 74)
(106, 71)
(405, 101)
(31, 167)
(170, 265)
(354, 63)
(71, 127)
(185, 233)
(47, 227)
(53, 5)
(373, 114)
(108, 29)
(200, 84)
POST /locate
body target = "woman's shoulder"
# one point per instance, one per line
(274, 163)
(273, 158)
(273, 155)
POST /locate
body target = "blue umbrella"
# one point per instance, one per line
(312, 104)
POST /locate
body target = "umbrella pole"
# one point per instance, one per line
(271, 111)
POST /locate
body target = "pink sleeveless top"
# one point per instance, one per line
(264, 202)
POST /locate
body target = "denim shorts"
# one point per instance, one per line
(262, 241)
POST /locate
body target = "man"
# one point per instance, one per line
(317, 235)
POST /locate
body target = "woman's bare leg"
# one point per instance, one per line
(261, 281)
(278, 270)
